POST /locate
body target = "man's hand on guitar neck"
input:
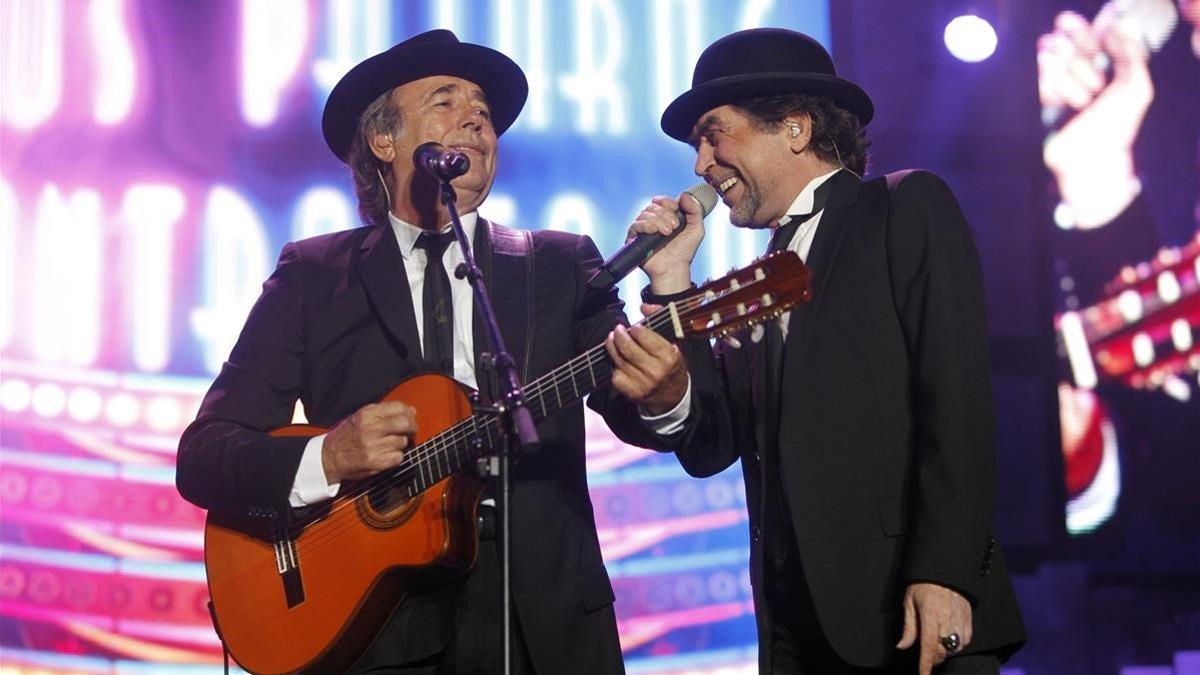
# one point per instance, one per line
(648, 370)
(371, 440)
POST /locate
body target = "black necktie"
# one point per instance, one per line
(437, 304)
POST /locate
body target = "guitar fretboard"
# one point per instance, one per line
(462, 444)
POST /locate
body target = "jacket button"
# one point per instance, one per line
(757, 457)
(756, 534)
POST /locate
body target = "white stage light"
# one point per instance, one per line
(970, 38)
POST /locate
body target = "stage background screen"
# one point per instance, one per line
(156, 157)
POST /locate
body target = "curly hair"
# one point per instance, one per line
(383, 116)
(837, 135)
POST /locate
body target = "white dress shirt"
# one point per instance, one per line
(802, 241)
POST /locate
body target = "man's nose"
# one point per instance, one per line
(704, 159)
(472, 119)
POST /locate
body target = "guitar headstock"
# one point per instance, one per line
(761, 291)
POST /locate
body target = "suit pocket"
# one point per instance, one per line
(892, 516)
(595, 589)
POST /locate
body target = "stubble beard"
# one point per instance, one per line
(742, 213)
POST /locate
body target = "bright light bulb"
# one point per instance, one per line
(970, 38)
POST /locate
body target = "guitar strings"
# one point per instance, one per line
(337, 516)
(430, 456)
(450, 439)
(433, 450)
(427, 453)
(424, 454)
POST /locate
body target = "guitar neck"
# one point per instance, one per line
(462, 444)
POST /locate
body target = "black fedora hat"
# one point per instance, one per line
(436, 52)
(761, 62)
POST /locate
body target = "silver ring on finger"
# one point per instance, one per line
(951, 643)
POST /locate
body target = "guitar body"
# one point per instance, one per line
(316, 603)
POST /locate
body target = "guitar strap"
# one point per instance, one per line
(512, 269)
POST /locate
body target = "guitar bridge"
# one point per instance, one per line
(288, 564)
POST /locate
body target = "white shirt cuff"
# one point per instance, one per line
(310, 485)
(671, 421)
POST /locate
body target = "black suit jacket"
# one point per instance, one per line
(334, 328)
(884, 445)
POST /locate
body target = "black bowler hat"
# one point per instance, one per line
(436, 52)
(761, 62)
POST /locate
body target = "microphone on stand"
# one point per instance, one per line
(647, 244)
(439, 162)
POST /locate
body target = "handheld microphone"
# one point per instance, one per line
(439, 162)
(647, 244)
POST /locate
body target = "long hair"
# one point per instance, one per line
(837, 135)
(383, 116)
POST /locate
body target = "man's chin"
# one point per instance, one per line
(749, 225)
(745, 222)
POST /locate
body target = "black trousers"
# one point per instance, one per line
(798, 646)
(475, 648)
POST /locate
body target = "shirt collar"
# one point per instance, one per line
(407, 233)
(803, 204)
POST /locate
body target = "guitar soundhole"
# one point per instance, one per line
(389, 500)
(388, 508)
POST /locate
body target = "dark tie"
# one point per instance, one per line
(437, 304)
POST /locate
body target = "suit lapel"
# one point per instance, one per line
(482, 250)
(501, 256)
(756, 359)
(821, 257)
(381, 268)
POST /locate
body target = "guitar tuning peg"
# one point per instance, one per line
(757, 333)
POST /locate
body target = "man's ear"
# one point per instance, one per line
(798, 132)
(383, 147)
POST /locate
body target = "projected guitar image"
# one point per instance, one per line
(1139, 335)
(312, 593)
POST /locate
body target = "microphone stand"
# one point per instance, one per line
(509, 407)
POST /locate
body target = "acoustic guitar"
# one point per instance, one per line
(310, 593)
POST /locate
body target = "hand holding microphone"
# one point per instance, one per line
(663, 240)
(1095, 88)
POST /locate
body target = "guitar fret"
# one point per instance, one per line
(459, 448)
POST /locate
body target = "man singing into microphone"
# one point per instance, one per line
(347, 316)
(863, 420)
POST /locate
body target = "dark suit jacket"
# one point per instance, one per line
(334, 328)
(884, 445)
